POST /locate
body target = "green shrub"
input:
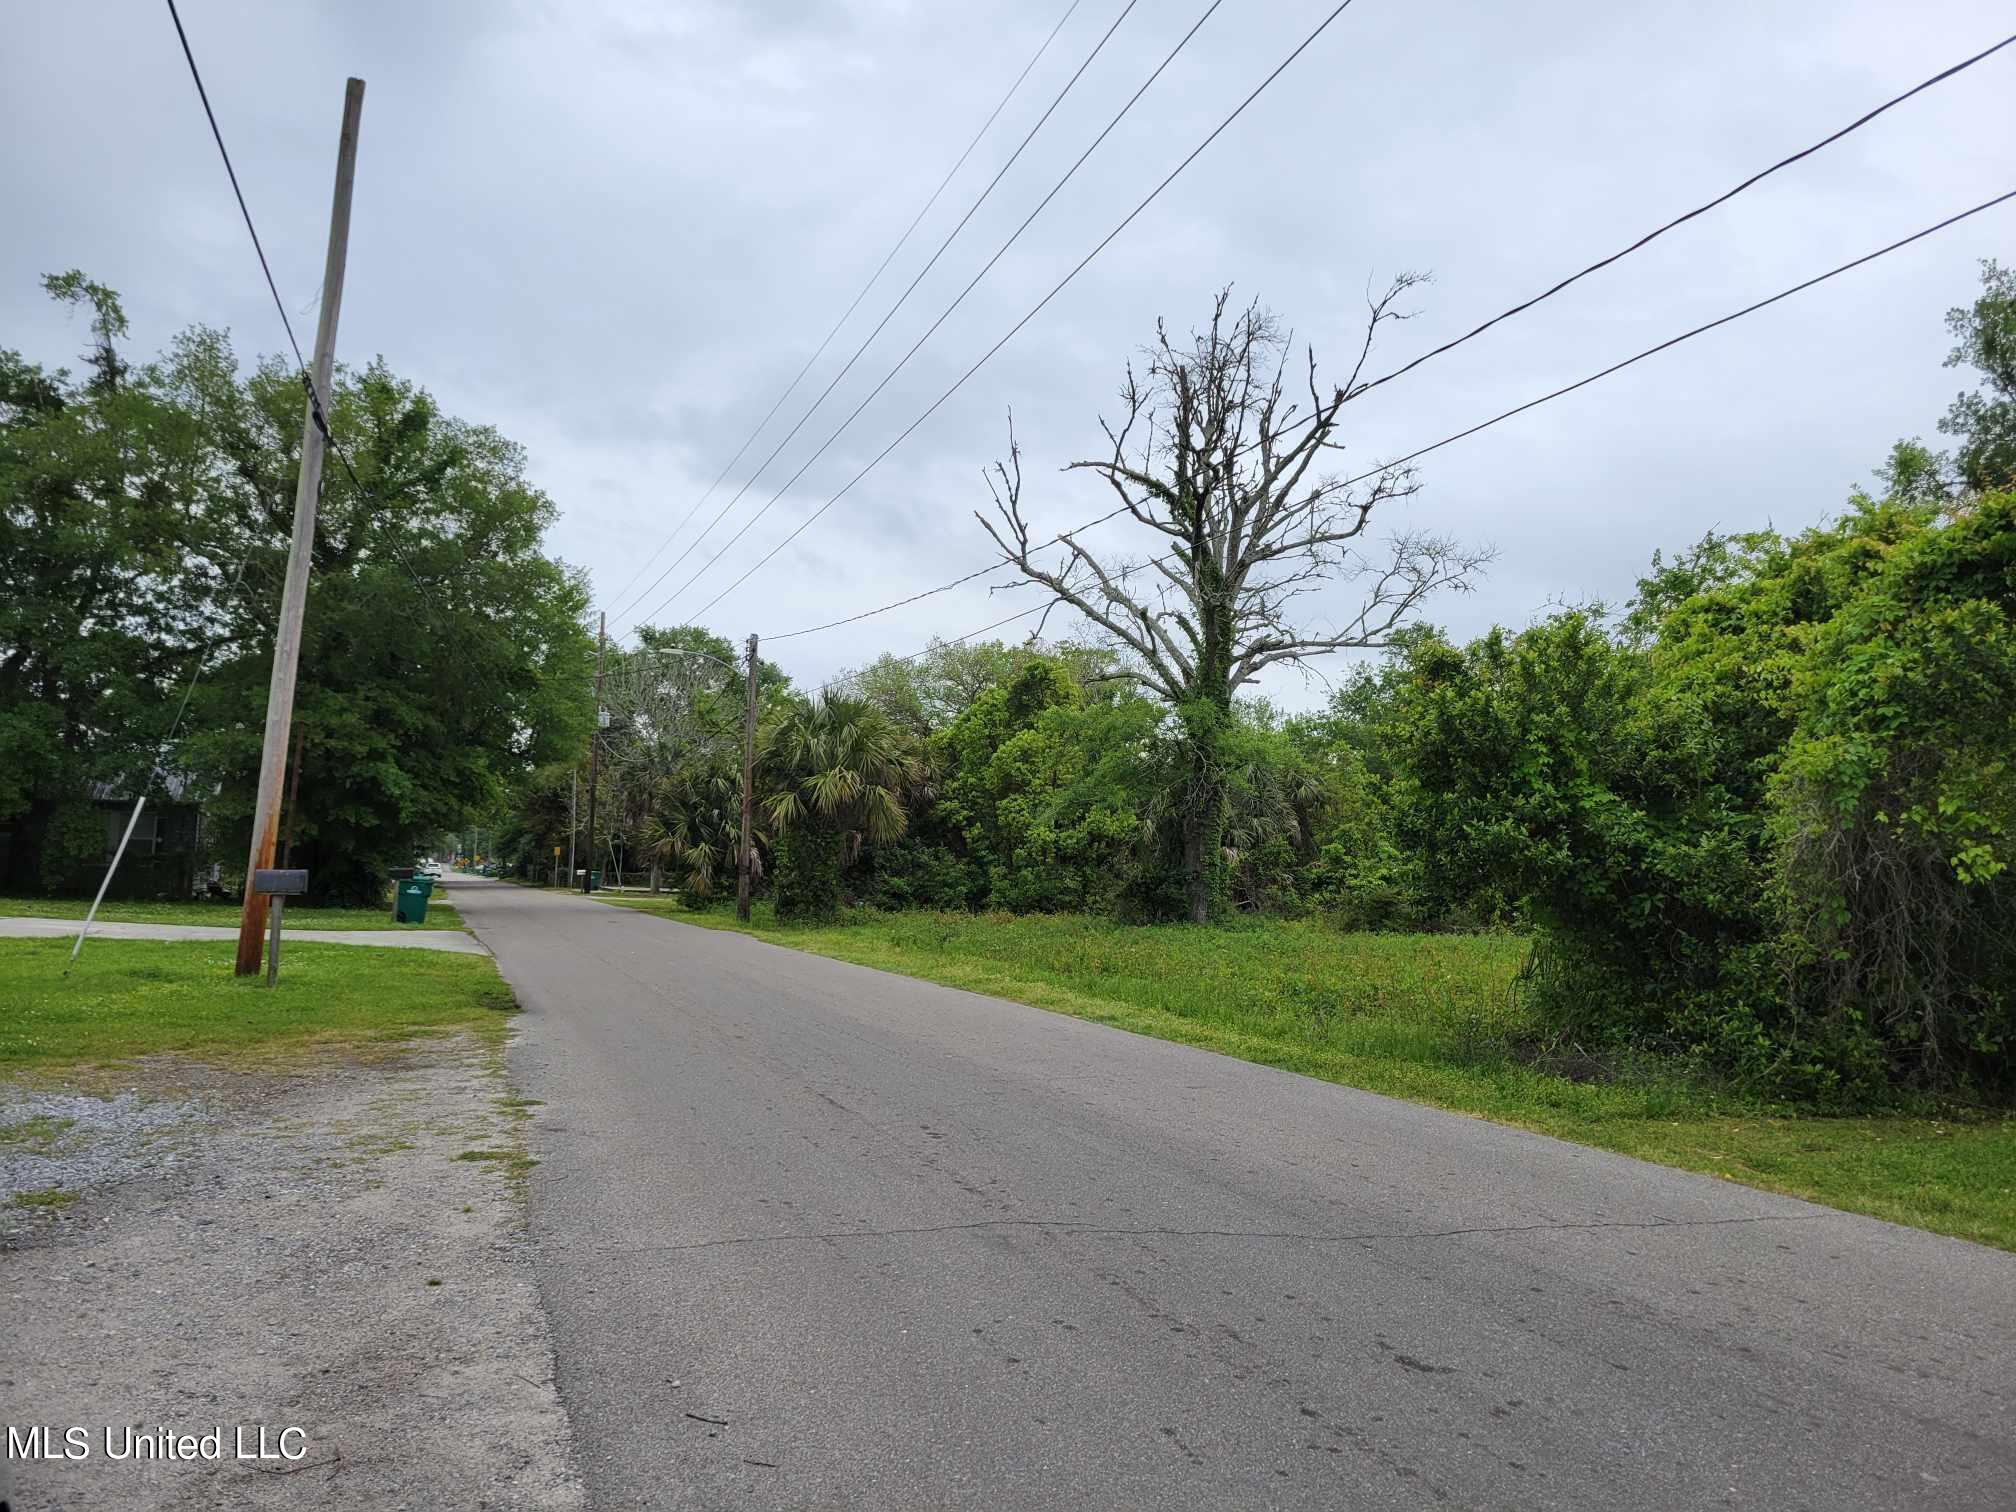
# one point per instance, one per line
(807, 872)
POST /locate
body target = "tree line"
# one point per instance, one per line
(1759, 817)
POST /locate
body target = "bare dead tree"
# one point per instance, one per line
(1217, 456)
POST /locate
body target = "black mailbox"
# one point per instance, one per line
(284, 884)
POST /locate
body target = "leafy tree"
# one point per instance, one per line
(534, 819)
(110, 577)
(1542, 762)
(1985, 421)
(144, 514)
(1046, 788)
(1278, 802)
(443, 653)
(1370, 868)
(927, 693)
(673, 707)
(1769, 823)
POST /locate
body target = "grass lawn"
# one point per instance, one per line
(440, 913)
(1424, 1017)
(142, 997)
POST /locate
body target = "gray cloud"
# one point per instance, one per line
(616, 230)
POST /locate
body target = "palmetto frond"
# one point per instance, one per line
(845, 761)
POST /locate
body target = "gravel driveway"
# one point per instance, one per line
(305, 1248)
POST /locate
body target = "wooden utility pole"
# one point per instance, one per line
(595, 751)
(742, 865)
(300, 550)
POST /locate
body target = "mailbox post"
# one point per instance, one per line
(278, 886)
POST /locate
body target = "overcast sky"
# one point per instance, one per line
(615, 231)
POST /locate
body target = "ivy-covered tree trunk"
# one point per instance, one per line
(1203, 822)
(808, 872)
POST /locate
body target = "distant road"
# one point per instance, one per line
(814, 1236)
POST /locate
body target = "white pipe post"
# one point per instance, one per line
(106, 880)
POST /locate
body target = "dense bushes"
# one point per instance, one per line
(1765, 820)
(1894, 811)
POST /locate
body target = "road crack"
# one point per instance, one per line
(1066, 1226)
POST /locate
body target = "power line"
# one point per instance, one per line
(315, 406)
(1751, 309)
(950, 237)
(1517, 309)
(243, 209)
(902, 362)
(1051, 603)
(317, 410)
(1680, 220)
(958, 582)
(846, 314)
(1468, 431)
(1036, 309)
(848, 677)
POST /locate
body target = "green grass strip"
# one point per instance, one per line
(147, 997)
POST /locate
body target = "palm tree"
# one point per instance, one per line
(1270, 804)
(696, 821)
(841, 773)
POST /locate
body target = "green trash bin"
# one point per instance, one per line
(410, 902)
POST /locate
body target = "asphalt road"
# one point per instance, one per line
(813, 1236)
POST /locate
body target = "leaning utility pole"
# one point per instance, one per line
(294, 599)
(742, 867)
(595, 751)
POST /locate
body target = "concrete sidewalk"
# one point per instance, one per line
(452, 940)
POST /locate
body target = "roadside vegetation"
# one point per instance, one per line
(1720, 876)
(1755, 825)
(144, 997)
(440, 913)
(1434, 1018)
